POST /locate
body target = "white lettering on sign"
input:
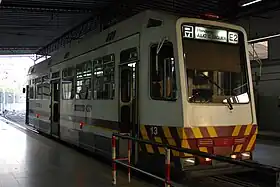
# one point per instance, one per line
(154, 131)
(187, 31)
(233, 37)
(204, 33)
(210, 34)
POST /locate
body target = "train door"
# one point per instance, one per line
(55, 108)
(128, 100)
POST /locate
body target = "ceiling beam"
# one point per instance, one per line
(44, 9)
(75, 33)
(18, 47)
(103, 15)
(256, 9)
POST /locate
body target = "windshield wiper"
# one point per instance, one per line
(229, 104)
(211, 81)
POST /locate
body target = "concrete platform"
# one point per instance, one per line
(269, 135)
(267, 152)
(30, 160)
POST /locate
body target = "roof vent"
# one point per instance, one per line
(154, 23)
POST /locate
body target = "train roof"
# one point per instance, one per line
(40, 68)
(96, 39)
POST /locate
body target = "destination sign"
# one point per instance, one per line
(203, 33)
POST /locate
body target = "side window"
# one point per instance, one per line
(98, 78)
(162, 74)
(31, 92)
(39, 92)
(109, 77)
(104, 77)
(83, 80)
(32, 89)
(68, 89)
(68, 83)
(46, 91)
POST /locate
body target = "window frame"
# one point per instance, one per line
(39, 95)
(47, 95)
(243, 56)
(31, 91)
(73, 85)
(89, 96)
(150, 73)
(66, 78)
(256, 52)
(113, 94)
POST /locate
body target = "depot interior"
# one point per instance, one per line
(39, 30)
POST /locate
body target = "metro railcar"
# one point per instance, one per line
(181, 81)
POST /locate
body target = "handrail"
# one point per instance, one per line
(257, 59)
(205, 155)
(263, 168)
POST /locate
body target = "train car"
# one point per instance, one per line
(181, 81)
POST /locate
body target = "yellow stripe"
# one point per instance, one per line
(251, 143)
(144, 134)
(170, 140)
(196, 132)
(256, 132)
(236, 130)
(248, 130)
(160, 149)
(182, 134)
(143, 131)
(167, 132)
(149, 148)
(185, 144)
(238, 148)
(212, 132)
(203, 149)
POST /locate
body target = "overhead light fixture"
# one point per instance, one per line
(250, 3)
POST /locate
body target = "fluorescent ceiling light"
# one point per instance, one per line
(250, 3)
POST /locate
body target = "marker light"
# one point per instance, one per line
(209, 15)
(233, 156)
(81, 125)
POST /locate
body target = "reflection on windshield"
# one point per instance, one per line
(215, 72)
(243, 98)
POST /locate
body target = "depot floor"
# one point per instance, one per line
(30, 160)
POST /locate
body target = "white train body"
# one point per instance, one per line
(189, 92)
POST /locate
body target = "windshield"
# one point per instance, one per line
(216, 67)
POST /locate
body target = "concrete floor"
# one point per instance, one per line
(65, 166)
(31, 160)
(267, 152)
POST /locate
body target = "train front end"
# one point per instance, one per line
(216, 87)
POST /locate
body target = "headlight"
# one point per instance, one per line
(233, 156)
(245, 156)
(187, 162)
